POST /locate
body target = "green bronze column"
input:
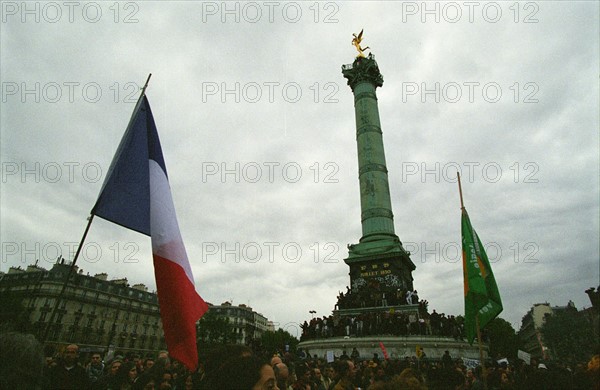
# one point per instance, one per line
(378, 262)
(376, 208)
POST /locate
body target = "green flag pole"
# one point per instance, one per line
(483, 369)
(479, 342)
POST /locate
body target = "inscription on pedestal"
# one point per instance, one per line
(380, 275)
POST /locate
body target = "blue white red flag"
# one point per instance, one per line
(136, 194)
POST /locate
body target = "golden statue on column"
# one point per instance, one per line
(356, 42)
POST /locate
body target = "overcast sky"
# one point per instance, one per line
(258, 134)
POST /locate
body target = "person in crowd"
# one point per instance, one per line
(415, 298)
(301, 378)
(164, 355)
(539, 378)
(126, 376)
(365, 374)
(217, 360)
(318, 380)
(473, 380)
(157, 374)
(327, 372)
(380, 374)
(21, 361)
(346, 372)
(408, 379)
(95, 369)
(593, 371)
(447, 361)
(68, 373)
(139, 364)
(334, 375)
(282, 374)
(344, 356)
(110, 380)
(165, 381)
(185, 382)
(49, 363)
(148, 363)
(275, 360)
(136, 359)
(243, 372)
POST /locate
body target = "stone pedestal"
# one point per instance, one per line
(397, 347)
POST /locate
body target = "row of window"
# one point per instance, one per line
(99, 300)
(78, 280)
(81, 336)
(143, 329)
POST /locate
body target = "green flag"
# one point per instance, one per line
(482, 298)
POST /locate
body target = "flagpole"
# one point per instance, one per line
(137, 104)
(87, 228)
(462, 206)
(483, 369)
(479, 342)
(64, 287)
(145, 85)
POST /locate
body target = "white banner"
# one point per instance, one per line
(330, 357)
(470, 363)
(526, 357)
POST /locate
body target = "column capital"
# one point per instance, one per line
(363, 69)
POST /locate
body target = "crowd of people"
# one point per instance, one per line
(24, 366)
(233, 367)
(373, 297)
(347, 373)
(388, 320)
(229, 367)
(396, 323)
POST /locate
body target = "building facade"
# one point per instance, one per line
(530, 332)
(95, 312)
(239, 324)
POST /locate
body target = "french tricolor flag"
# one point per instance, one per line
(136, 195)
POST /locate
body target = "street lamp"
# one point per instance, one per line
(312, 312)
